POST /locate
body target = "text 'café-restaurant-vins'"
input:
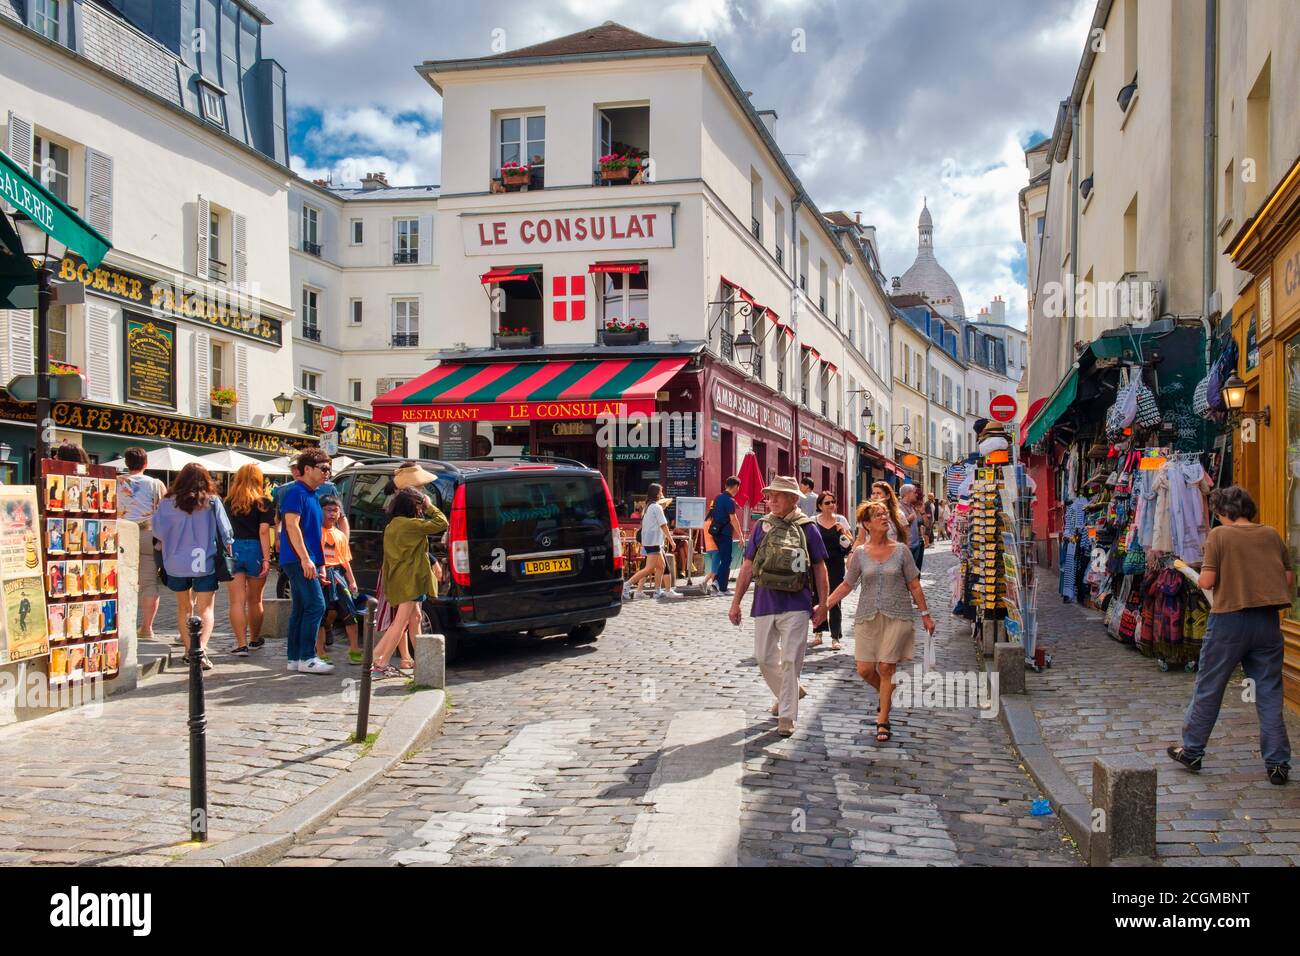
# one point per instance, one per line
(682, 416)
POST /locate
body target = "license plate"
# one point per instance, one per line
(548, 566)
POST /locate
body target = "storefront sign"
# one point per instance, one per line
(569, 230)
(732, 402)
(183, 298)
(359, 434)
(570, 429)
(512, 411)
(620, 453)
(158, 427)
(822, 444)
(1286, 269)
(150, 356)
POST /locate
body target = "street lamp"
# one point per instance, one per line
(907, 441)
(5, 450)
(1234, 397)
(282, 404)
(744, 348)
(33, 237)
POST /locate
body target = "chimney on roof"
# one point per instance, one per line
(322, 183)
(374, 181)
(998, 310)
(769, 118)
(857, 216)
(896, 286)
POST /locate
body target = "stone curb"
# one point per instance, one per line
(415, 722)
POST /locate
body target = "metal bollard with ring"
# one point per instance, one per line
(198, 724)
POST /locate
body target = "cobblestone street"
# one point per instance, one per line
(562, 754)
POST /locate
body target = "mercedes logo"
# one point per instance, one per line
(546, 542)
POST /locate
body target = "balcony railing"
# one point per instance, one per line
(311, 332)
(726, 346)
(780, 380)
(803, 283)
(403, 340)
(821, 303)
(757, 361)
(780, 256)
(312, 248)
(406, 257)
(756, 228)
(216, 270)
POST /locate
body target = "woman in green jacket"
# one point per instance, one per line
(408, 575)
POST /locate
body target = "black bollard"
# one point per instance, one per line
(367, 659)
(198, 739)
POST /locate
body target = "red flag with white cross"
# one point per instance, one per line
(569, 298)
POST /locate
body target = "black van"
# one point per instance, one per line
(533, 545)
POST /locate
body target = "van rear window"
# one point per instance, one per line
(526, 506)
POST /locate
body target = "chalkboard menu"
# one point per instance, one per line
(455, 440)
(150, 360)
(682, 474)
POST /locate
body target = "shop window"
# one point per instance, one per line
(622, 132)
(624, 296)
(1293, 463)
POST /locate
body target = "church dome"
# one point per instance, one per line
(926, 277)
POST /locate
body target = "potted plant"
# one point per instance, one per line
(616, 168)
(508, 338)
(620, 332)
(512, 174)
(222, 396)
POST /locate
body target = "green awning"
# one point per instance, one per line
(55, 218)
(17, 274)
(1056, 406)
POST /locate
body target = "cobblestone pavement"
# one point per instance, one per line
(1101, 697)
(113, 788)
(561, 754)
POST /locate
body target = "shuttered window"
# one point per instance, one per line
(202, 377)
(99, 192)
(99, 349)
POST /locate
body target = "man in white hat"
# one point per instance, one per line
(786, 560)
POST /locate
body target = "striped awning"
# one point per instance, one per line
(508, 274)
(522, 391)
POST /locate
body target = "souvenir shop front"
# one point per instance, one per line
(1266, 329)
(1124, 454)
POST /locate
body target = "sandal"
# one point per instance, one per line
(883, 732)
(384, 673)
(836, 645)
(815, 642)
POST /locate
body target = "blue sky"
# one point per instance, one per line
(887, 101)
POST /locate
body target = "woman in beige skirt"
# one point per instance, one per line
(884, 626)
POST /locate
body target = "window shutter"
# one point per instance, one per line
(99, 192)
(201, 244)
(242, 408)
(19, 147)
(239, 263)
(426, 240)
(19, 356)
(202, 375)
(99, 359)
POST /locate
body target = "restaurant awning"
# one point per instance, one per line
(54, 217)
(508, 274)
(521, 391)
(1054, 408)
(623, 268)
(740, 289)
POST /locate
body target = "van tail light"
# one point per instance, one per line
(459, 539)
(616, 539)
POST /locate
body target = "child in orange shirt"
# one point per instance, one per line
(340, 584)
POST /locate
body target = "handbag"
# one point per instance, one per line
(1148, 412)
(223, 565)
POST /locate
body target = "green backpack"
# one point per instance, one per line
(782, 561)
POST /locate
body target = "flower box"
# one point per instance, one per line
(626, 337)
(223, 397)
(512, 174)
(514, 340)
(622, 174)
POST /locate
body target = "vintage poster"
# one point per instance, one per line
(56, 615)
(56, 573)
(73, 536)
(90, 577)
(108, 537)
(71, 493)
(110, 617)
(108, 496)
(90, 543)
(58, 665)
(54, 535)
(75, 622)
(54, 492)
(23, 626)
(91, 626)
(108, 576)
(112, 653)
(72, 580)
(76, 661)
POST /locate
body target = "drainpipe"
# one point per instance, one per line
(1072, 305)
(796, 201)
(1211, 136)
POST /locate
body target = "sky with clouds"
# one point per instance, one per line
(892, 100)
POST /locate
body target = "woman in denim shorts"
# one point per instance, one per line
(252, 515)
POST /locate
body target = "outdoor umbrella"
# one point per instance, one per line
(228, 460)
(342, 461)
(751, 482)
(276, 467)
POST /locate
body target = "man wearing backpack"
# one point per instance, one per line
(786, 559)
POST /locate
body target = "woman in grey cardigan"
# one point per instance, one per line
(884, 626)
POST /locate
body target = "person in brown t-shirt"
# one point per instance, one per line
(1249, 568)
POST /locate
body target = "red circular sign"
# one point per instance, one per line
(1002, 408)
(329, 417)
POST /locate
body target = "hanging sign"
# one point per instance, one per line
(150, 356)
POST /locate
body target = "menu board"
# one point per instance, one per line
(22, 593)
(150, 360)
(80, 610)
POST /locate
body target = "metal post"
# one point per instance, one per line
(367, 661)
(198, 738)
(43, 294)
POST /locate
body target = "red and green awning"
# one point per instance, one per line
(508, 274)
(522, 391)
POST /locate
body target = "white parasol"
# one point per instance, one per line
(228, 460)
(163, 459)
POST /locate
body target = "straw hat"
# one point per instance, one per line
(411, 476)
(786, 484)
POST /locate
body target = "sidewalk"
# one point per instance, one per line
(113, 787)
(1101, 697)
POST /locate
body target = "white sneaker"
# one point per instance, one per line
(665, 595)
(315, 666)
(292, 666)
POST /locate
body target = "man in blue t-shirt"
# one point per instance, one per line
(725, 529)
(302, 560)
(325, 490)
(781, 618)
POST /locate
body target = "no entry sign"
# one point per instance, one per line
(1002, 408)
(329, 417)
